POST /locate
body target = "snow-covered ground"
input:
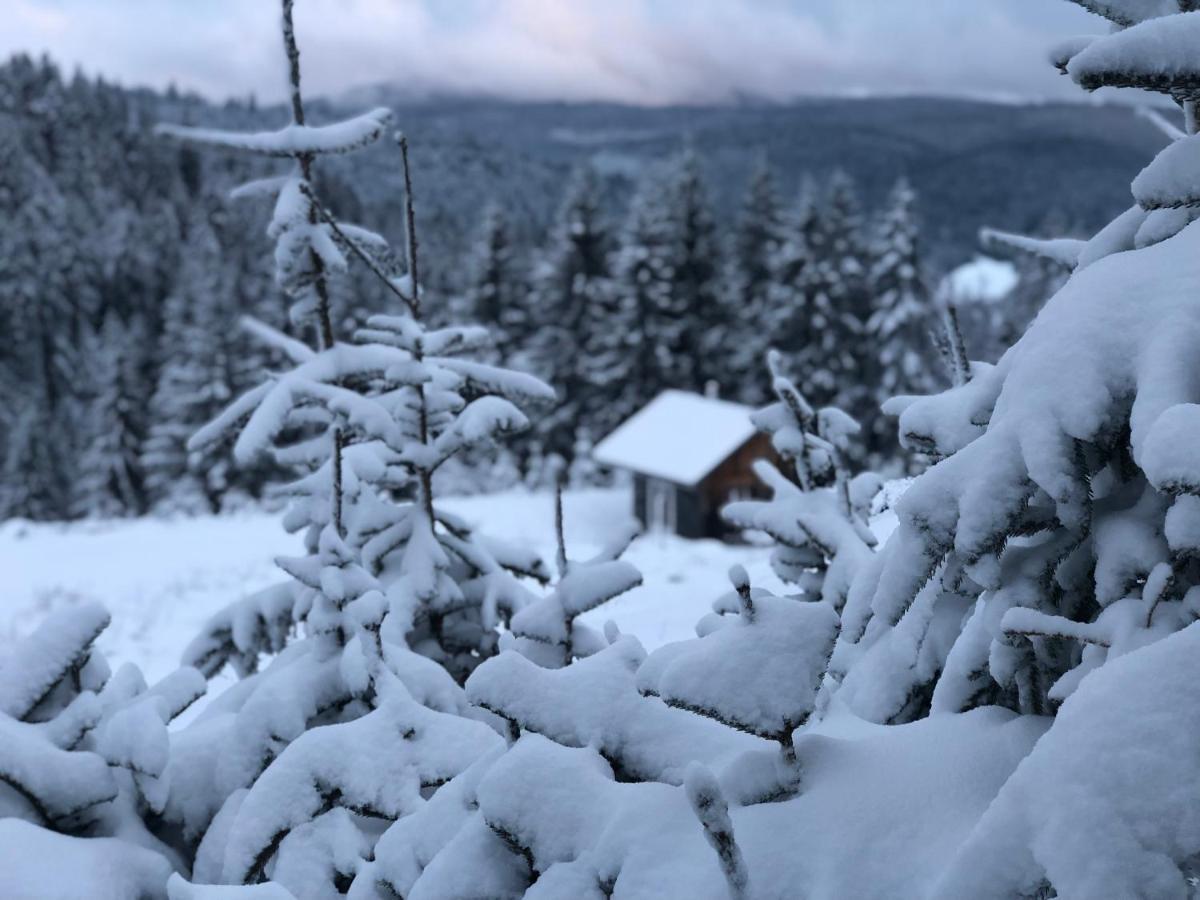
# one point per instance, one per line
(161, 578)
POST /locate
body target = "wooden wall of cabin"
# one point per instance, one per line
(698, 509)
(733, 479)
(692, 512)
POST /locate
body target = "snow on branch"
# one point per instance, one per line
(758, 674)
(1156, 55)
(293, 141)
(1031, 623)
(1064, 251)
(61, 645)
(260, 187)
(180, 889)
(1172, 180)
(1131, 12)
(709, 804)
(1161, 122)
(400, 749)
(296, 351)
(1063, 52)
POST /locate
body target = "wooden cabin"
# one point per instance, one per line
(689, 456)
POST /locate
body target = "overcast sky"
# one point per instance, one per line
(636, 51)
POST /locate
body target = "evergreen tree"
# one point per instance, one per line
(897, 333)
(110, 480)
(396, 601)
(497, 294)
(644, 273)
(758, 240)
(696, 279)
(576, 302)
(835, 287)
(207, 360)
(177, 408)
(790, 313)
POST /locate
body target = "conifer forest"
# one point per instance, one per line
(446, 489)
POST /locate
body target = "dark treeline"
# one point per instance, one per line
(125, 267)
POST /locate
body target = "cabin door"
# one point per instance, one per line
(661, 506)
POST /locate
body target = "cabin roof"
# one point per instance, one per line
(678, 436)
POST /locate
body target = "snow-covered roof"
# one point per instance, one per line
(678, 436)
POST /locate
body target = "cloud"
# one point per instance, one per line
(635, 51)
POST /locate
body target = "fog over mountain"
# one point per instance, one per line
(643, 52)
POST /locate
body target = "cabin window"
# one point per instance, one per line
(741, 492)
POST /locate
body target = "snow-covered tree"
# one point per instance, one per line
(697, 282)
(1056, 532)
(110, 477)
(835, 285)
(548, 631)
(757, 241)
(575, 304)
(898, 330)
(789, 317)
(897, 333)
(497, 292)
(643, 271)
(359, 716)
(206, 361)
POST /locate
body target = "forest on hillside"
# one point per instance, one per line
(125, 269)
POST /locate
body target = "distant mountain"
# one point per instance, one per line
(1066, 167)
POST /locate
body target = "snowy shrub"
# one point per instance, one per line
(818, 513)
(84, 775)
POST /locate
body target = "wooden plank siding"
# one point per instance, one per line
(698, 509)
(732, 479)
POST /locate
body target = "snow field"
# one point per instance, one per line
(161, 578)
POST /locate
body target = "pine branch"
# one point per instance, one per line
(372, 266)
(559, 531)
(410, 226)
(710, 807)
(956, 348)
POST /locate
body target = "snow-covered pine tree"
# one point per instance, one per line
(1057, 532)
(757, 241)
(897, 332)
(836, 292)
(589, 756)
(497, 292)
(548, 631)
(205, 362)
(356, 719)
(643, 272)
(789, 315)
(697, 278)
(576, 307)
(36, 311)
(169, 484)
(110, 482)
